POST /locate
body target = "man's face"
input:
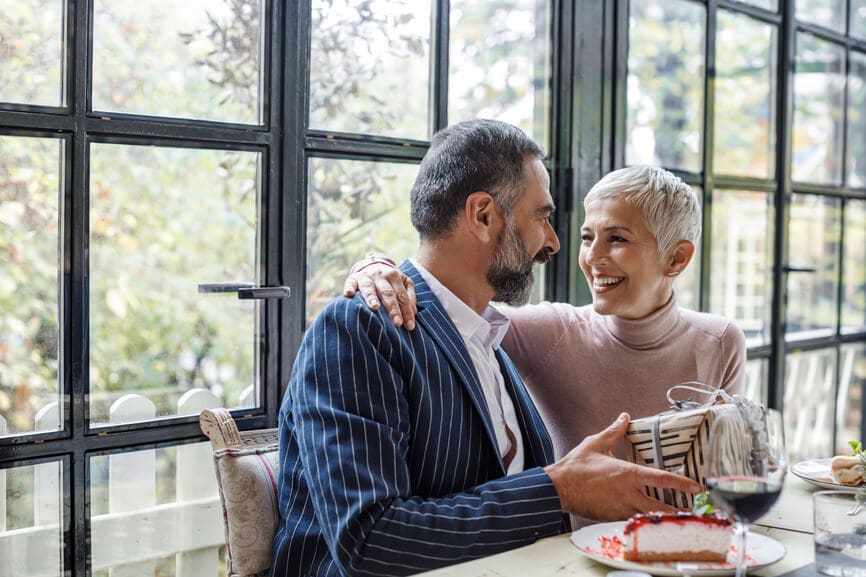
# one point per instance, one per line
(526, 239)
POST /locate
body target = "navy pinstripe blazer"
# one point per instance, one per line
(388, 460)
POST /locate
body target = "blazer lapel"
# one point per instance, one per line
(536, 440)
(436, 322)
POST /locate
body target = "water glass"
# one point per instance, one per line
(840, 533)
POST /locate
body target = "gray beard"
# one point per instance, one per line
(510, 272)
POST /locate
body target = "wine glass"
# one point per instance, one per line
(746, 465)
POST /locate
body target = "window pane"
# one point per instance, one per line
(742, 248)
(354, 207)
(500, 63)
(854, 267)
(857, 120)
(829, 13)
(32, 52)
(858, 19)
(30, 192)
(370, 67)
(688, 284)
(666, 84)
(31, 519)
(813, 243)
(197, 59)
(818, 107)
(745, 115)
(757, 375)
(154, 509)
(852, 377)
(810, 387)
(163, 220)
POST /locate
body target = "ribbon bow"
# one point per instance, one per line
(713, 396)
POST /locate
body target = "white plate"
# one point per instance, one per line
(817, 472)
(760, 552)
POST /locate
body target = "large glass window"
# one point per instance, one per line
(500, 63)
(858, 19)
(666, 84)
(353, 207)
(856, 147)
(849, 413)
(31, 187)
(370, 67)
(32, 520)
(157, 218)
(745, 119)
(32, 52)
(854, 268)
(809, 403)
(818, 111)
(138, 496)
(829, 13)
(742, 257)
(197, 59)
(813, 249)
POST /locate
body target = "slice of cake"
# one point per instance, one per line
(677, 537)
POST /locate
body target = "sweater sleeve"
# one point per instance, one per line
(535, 334)
(352, 420)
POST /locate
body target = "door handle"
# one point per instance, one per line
(245, 291)
(787, 268)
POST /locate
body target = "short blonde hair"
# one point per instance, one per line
(669, 206)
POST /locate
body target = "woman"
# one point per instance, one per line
(585, 365)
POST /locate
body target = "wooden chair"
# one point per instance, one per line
(247, 465)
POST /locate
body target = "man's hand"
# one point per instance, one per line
(379, 278)
(592, 483)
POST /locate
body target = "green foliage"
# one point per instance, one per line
(703, 505)
(369, 67)
(665, 84)
(29, 313)
(31, 49)
(500, 63)
(354, 207)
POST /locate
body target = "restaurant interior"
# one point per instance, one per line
(185, 185)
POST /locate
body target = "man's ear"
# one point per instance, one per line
(482, 216)
(680, 257)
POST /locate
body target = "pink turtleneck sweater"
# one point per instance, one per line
(583, 369)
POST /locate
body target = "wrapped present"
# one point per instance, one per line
(676, 440)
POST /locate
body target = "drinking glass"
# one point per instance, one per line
(746, 466)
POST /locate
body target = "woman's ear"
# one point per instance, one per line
(482, 215)
(680, 257)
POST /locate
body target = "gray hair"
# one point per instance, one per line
(669, 206)
(467, 157)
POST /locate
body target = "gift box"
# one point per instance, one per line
(676, 441)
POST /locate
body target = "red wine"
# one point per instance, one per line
(746, 499)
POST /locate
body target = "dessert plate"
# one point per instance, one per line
(603, 543)
(817, 472)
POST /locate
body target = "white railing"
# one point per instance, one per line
(136, 531)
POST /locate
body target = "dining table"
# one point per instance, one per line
(789, 522)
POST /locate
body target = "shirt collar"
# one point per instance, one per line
(487, 329)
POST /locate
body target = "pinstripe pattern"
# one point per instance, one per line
(388, 460)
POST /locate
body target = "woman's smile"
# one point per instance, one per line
(620, 259)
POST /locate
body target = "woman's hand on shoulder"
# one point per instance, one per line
(378, 278)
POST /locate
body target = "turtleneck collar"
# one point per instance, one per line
(646, 332)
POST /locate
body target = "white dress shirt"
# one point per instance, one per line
(482, 335)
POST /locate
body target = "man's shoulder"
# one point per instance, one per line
(343, 311)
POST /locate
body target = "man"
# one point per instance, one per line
(406, 451)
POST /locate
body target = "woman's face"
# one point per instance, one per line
(620, 260)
